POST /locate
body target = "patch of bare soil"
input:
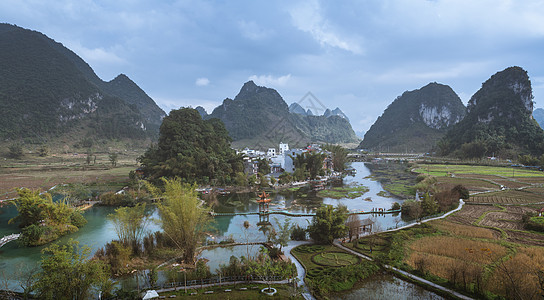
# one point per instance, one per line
(503, 220)
(470, 213)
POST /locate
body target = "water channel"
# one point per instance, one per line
(99, 230)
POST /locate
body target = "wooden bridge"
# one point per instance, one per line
(9, 238)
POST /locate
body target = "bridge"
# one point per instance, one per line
(9, 238)
(292, 214)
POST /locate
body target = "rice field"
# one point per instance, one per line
(475, 251)
(508, 197)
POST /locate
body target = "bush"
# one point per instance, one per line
(395, 206)
(77, 219)
(535, 223)
(298, 233)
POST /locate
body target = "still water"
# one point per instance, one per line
(99, 229)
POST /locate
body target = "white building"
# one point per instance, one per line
(271, 152)
(283, 148)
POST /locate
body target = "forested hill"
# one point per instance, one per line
(47, 91)
(499, 120)
(415, 121)
(259, 117)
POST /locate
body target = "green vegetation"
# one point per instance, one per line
(328, 224)
(258, 116)
(48, 92)
(508, 129)
(193, 150)
(43, 220)
(239, 291)
(130, 223)
(183, 217)
(308, 165)
(402, 127)
(440, 170)
(397, 178)
(331, 270)
(350, 192)
(66, 273)
(339, 156)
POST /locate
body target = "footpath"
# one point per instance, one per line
(338, 244)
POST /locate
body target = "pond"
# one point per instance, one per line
(99, 229)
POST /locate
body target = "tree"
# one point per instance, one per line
(183, 217)
(43, 151)
(67, 274)
(328, 224)
(113, 159)
(264, 166)
(283, 233)
(192, 149)
(353, 223)
(130, 223)
(339, 156)
(15, 151)
(241, 179)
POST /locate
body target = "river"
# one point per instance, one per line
(14, 260)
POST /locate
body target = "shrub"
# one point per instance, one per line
(298, 233)
(77, 219)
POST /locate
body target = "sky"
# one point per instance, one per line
(355, 55)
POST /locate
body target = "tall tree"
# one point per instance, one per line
(130, 223)
(67, 274)
(328, 224)
(192, 149)
(184, 218)
(339, 156)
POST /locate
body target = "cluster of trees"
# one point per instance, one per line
(308, 165)
(42, 220)
(192, 149)
(339, 156)
(433, 200)
(328, 224)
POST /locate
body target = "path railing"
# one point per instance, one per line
(8, 238)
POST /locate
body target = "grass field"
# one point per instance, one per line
(443, 170)
(43, 173)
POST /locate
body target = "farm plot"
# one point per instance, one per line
(464, 170)
(472, 184)
(465, 230)
(507, 197)
(470, 213)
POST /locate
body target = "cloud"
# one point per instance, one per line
(307, 17)
(269, 80)
(202, 81)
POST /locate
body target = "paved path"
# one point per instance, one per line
(301, 272)
(414, 277)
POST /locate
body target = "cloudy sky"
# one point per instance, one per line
(356, 55)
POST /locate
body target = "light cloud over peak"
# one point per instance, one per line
(269, 80)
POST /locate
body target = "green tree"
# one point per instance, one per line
(15, 151)
(183, 217)
(283, 234)
(263, 165)
(339, 156)
(192, 149)
(130, 223)
(43, 151)
(113, 158)
(67, 274)
(328, 224)
(241, 179)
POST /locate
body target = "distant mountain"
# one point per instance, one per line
(415, 120)
(47, 91)
(538, 115)
(335, 112)
(259, 117)
(499, 120)
(201, 111)
(295, 108)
